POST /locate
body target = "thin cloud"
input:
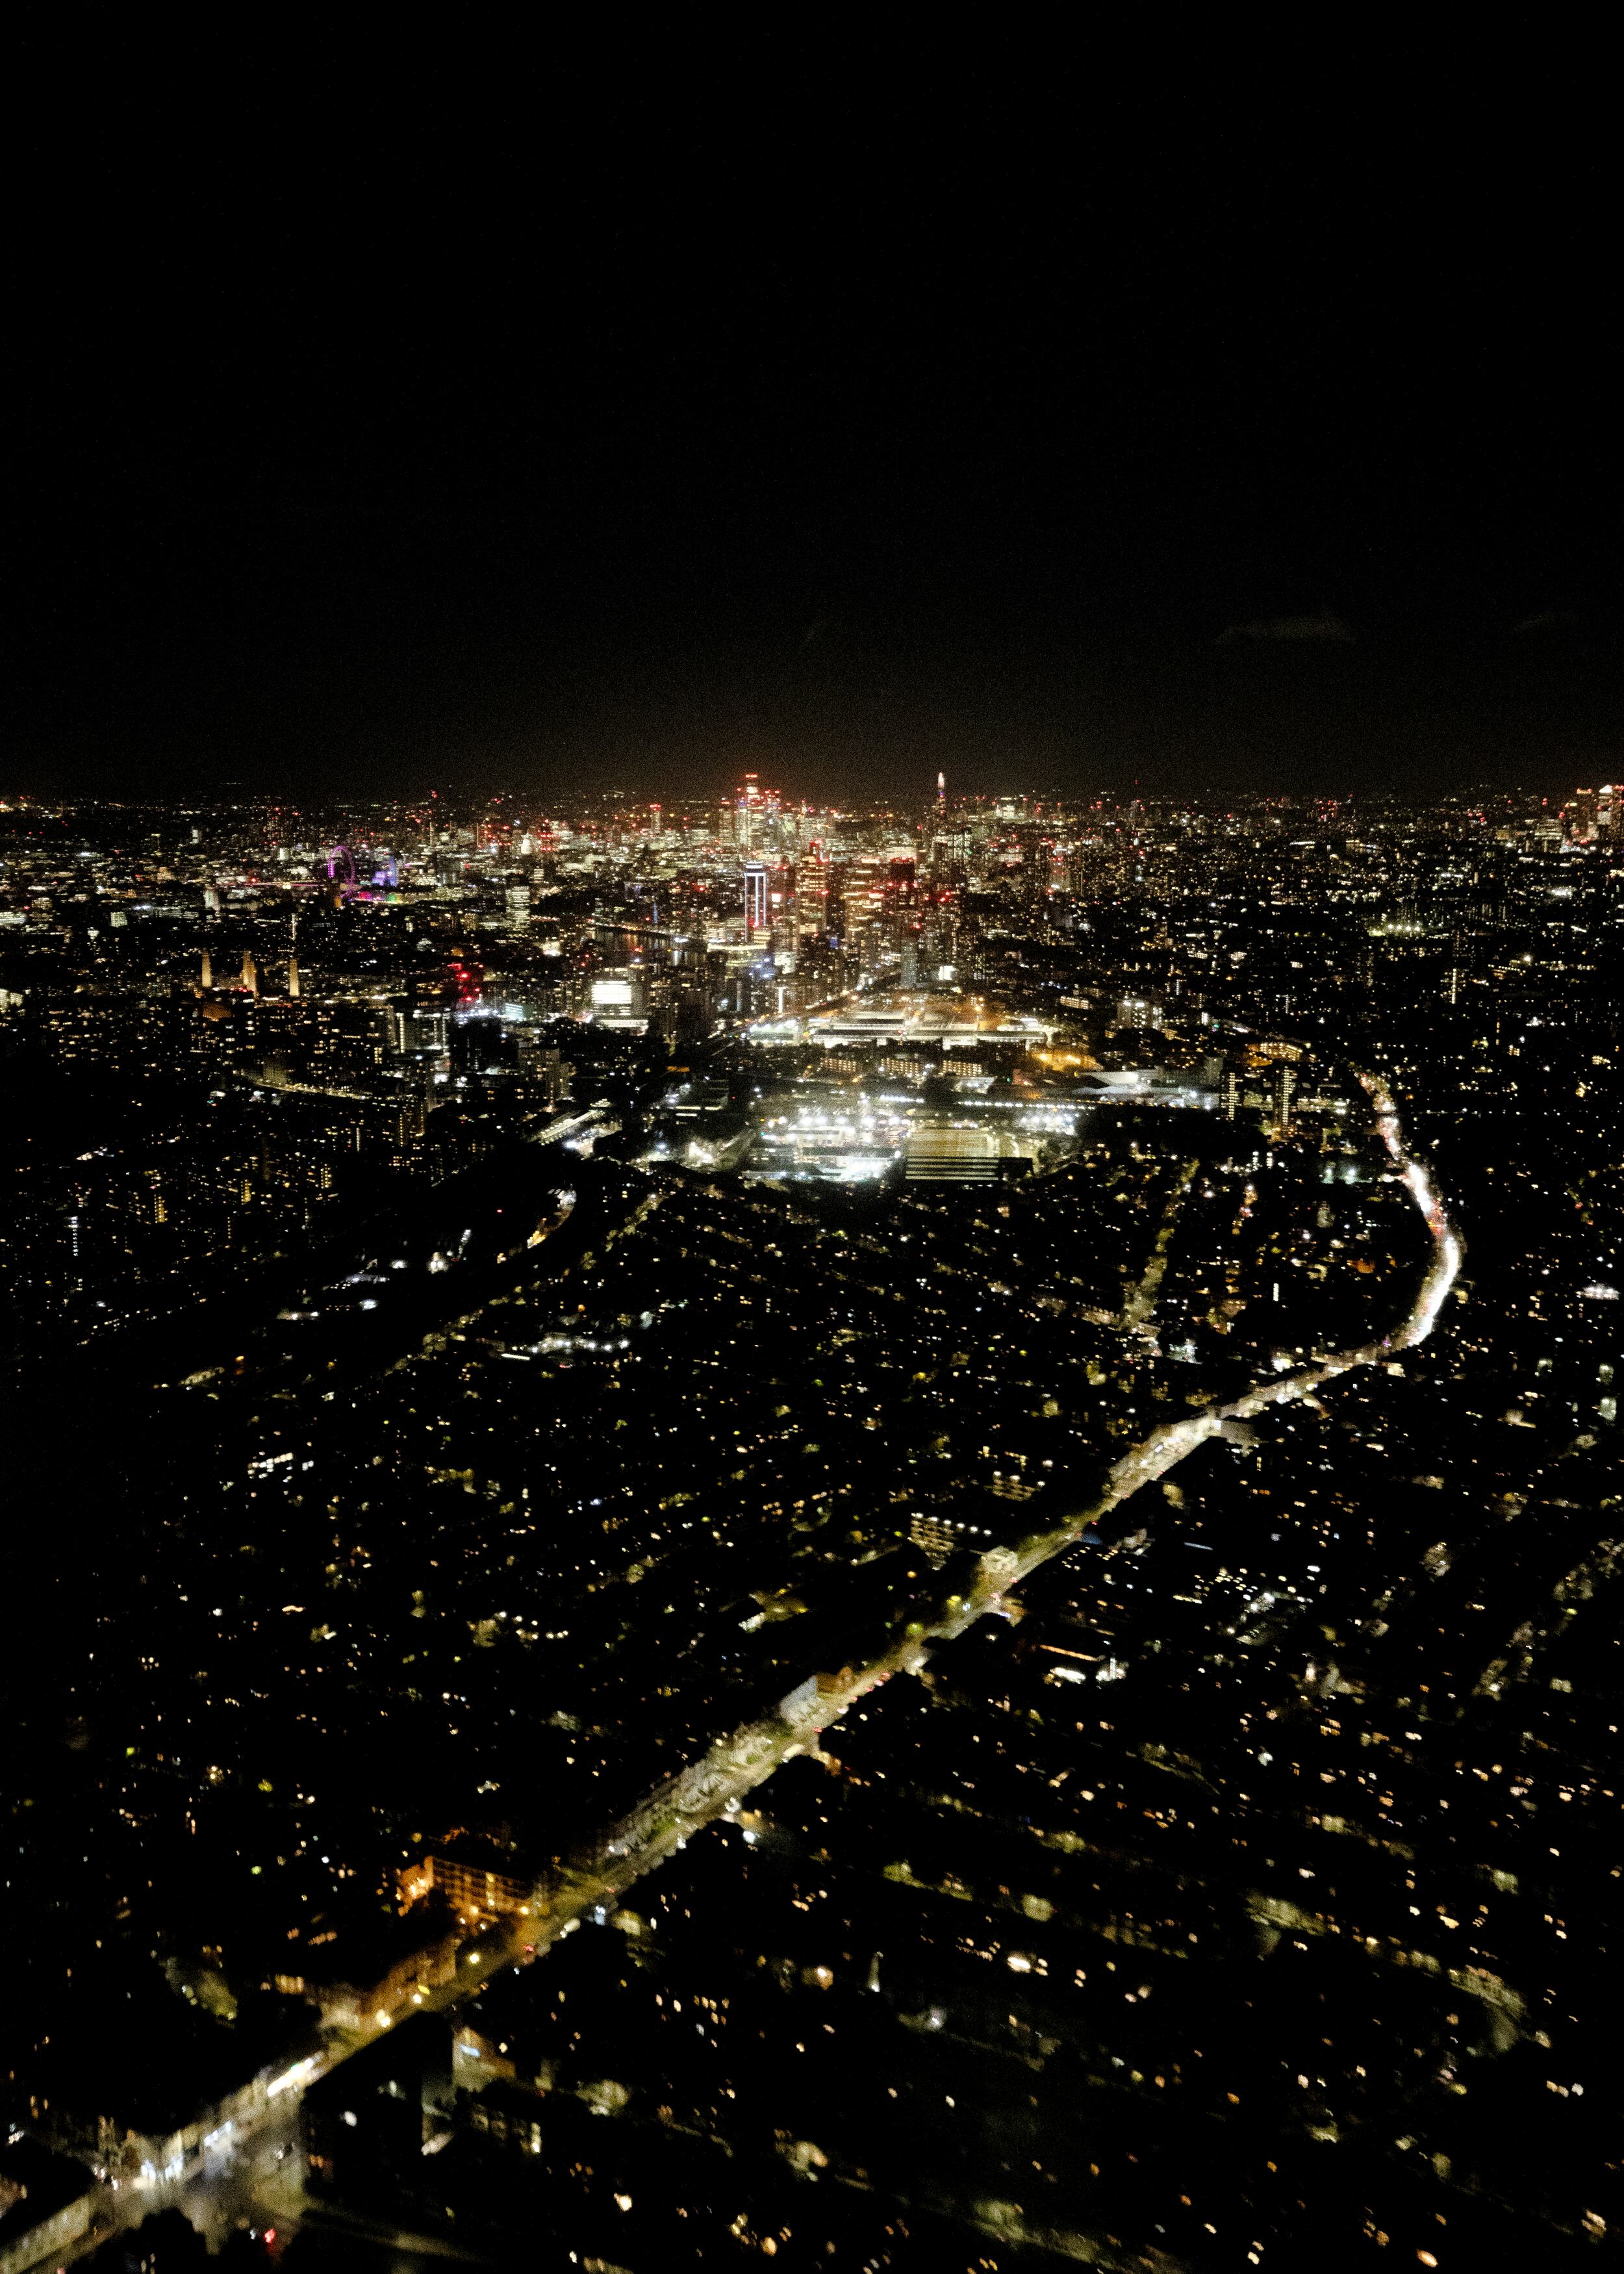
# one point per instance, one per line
(1548, 619)
(1324, 626)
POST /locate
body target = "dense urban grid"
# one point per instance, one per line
(887, 1539)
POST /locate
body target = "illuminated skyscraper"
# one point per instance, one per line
(1590, 813)
(748, 806)
(812, 892)
(754, 899)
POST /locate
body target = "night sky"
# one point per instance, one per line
(831, 421)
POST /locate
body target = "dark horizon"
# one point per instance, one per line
(1291, 468)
